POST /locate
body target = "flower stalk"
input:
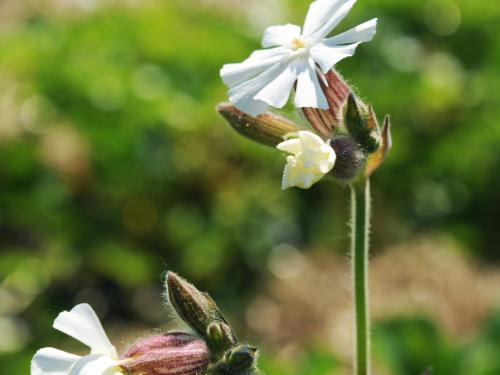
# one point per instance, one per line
(344, 142)
(360, 216)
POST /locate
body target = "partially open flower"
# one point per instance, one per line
(311, 159)
(171, 353)
(82, 324)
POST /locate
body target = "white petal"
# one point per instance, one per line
(83, 324)
(259, 61)
(277, 92)
(312, 159)
(361, 33)
(243, 95)
(311, 141)
(50, 361)
(280, 35)
(266, 53)
(324, 15)
(286, 181)
(308, 91)
(326, 57)
(251, 106)
(95, 365)
(291, 146)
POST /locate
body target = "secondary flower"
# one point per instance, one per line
(82, 324)
(311, 159)
(298, 57)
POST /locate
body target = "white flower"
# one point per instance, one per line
(311, 159)
(82, 324)
(268, 75)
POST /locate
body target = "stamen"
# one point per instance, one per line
(297, 43)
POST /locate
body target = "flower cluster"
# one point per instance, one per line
(212, 349)
(345, 140)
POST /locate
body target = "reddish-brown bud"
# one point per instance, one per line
(172, 353)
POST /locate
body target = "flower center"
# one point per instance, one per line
(297, 43)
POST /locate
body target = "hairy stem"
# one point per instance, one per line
(360, 199)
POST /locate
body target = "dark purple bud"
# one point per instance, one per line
(172, 353)
(350, 158)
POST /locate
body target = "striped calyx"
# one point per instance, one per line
(336, 91)
(172, 353)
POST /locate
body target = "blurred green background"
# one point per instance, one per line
(114, 167)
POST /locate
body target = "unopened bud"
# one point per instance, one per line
(267, 129)
(376, 159)
(200, 312)
(220, 338)
(172, 353)
(362, 124)
(189, 302)
(350, 158)
(241, 359)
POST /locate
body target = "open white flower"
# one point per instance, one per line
(267, 77)
(311, 159)
(82, 324)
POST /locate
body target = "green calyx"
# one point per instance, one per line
(361, 123)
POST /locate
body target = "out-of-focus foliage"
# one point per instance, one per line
(114, 165)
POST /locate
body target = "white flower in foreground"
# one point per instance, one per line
(267, 77)
(311, 159)
(82, 324)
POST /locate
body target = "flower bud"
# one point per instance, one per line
(172, 353)
(376, 159)
(350, 157)
(200, 312)
(362, 124)
(267, 129)
(220, 337)
(241, 359)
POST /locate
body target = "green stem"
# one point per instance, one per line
(360, 197)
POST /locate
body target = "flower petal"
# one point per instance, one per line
(243, 95)
(310, 141)
(291, 146)
(96, 365)
(324, 15)
(277, 92)
(327, 56)
(251, 106)
(259, 61)
(308, 91)
(361, 33)
(83, 324)
(281, 35)
(50, 361)
(312, 159)
(286, 179)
